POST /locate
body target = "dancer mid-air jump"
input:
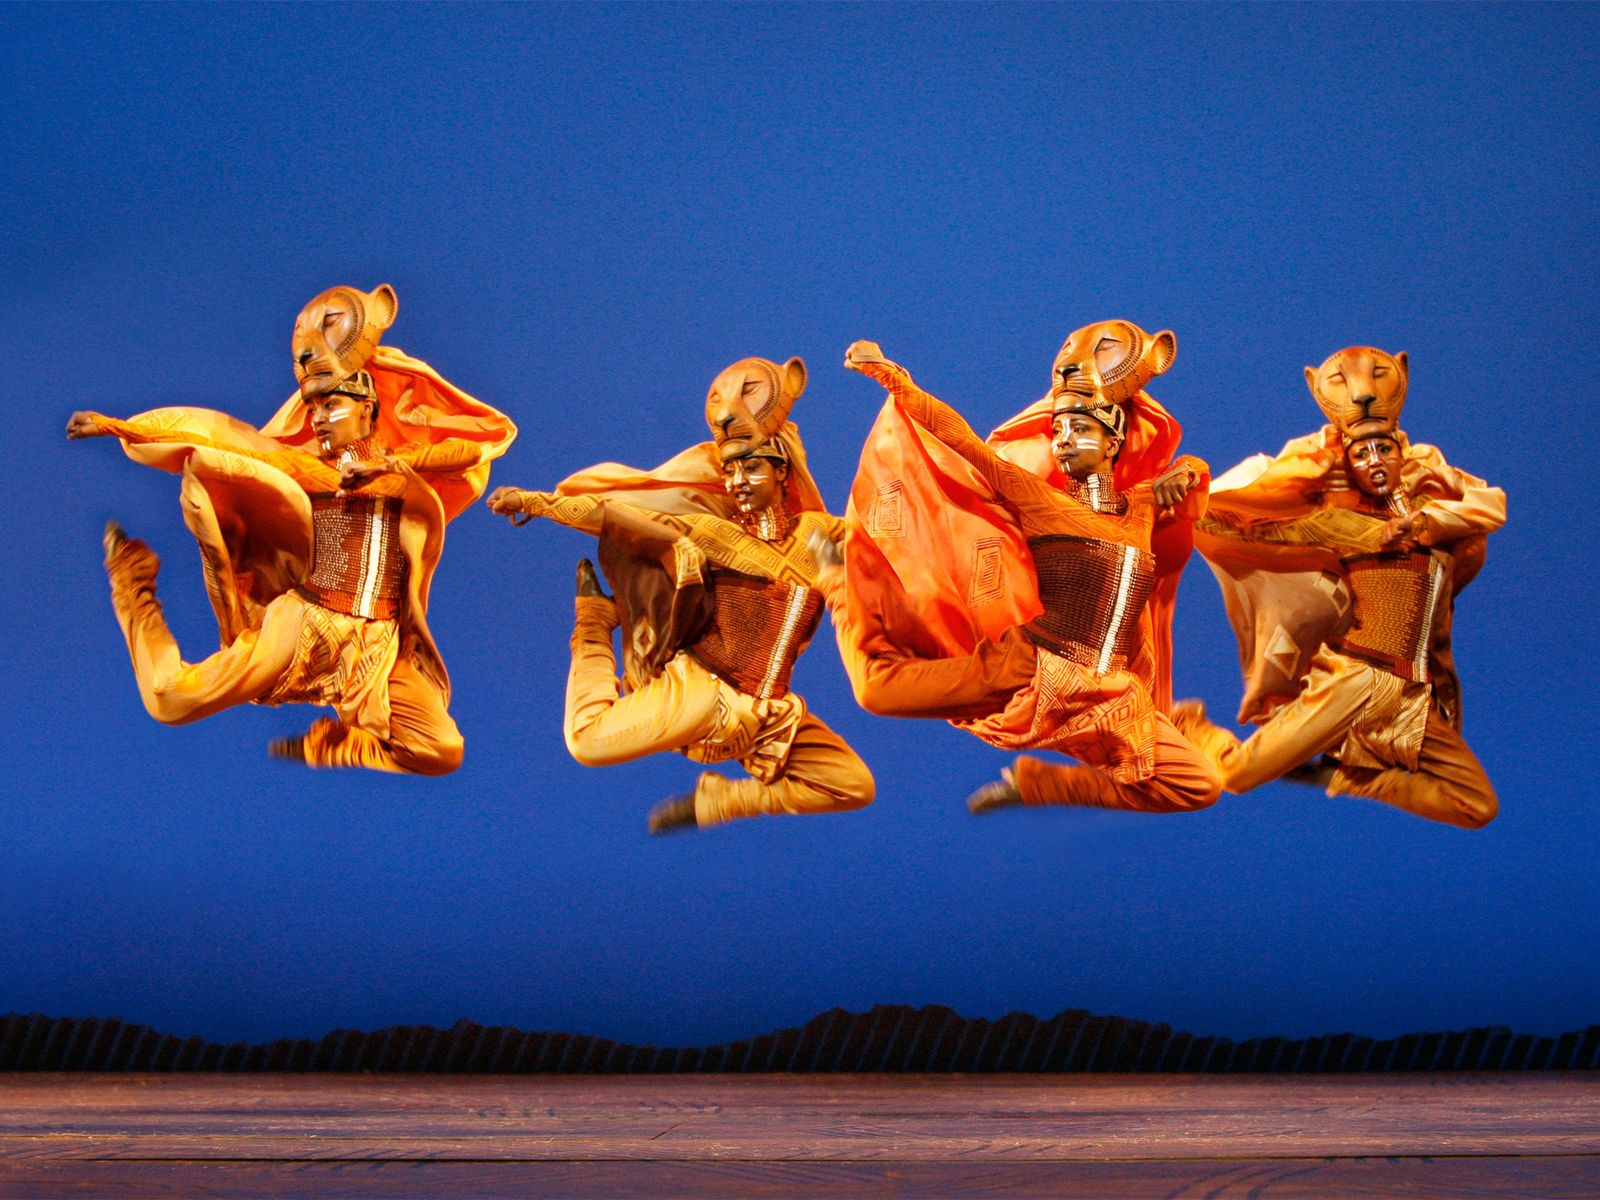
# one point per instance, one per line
(1340, 560)
(1006, 586)
(715, 559)
(319, 534)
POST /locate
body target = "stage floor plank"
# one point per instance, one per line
(134, 1136)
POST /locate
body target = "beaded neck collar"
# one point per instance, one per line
(1098, 493)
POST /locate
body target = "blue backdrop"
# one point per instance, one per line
(587, 212)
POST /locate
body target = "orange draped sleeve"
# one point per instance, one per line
(936, 532)
(448, 437)
(689, 482)
(1285, 593)
(935, 559)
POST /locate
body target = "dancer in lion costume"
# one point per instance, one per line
(1340, 561)
(319, 534)
(1022, 588)
(717, 558)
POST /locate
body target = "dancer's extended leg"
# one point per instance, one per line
(972, 685)
(1316, 720)
(1184, 780)
(1449, 784)
(821, 774)
(675, 709)
(423, 739)
(176, 692)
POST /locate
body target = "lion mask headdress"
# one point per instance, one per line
(336, 334)
(1361, 390)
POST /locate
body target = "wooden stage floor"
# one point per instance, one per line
(131, 1136)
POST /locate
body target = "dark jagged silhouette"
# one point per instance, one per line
(887, 1038)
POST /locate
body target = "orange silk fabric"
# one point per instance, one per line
(936, 561)
(691, 481)
(418, 408)
(1285, 601)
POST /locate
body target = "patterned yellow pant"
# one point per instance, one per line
(1391, 743)
(799, 764)
(391, 716)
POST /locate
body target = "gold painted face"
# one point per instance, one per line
(335, 335)
(1109, 362)
(1361, 390)
(751, 400)
(1082, 445)
(753, 483)
(1375, 464)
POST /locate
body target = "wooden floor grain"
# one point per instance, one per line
(749, 1135)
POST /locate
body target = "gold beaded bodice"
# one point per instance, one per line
(358, 566)
(759, 628)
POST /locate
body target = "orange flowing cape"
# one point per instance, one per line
(1285, 601)
(252, 519)
(935, 562)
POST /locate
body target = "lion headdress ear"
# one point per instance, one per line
(1160, 352)
(1361, 390)
(752, 398)
(382, 305)
(379, 307)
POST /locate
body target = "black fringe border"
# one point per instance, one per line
(892, 1038)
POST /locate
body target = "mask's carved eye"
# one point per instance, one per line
(1106, 343)
(749, 386)
(1336, 378)
(1379, 371)
(330, 318)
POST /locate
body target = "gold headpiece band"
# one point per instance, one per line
(772, 448)
(359, 386)
(1113, 416)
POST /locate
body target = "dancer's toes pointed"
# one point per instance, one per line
(113, 539)
(290, 749)
(589, 580)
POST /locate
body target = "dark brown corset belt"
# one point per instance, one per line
(357, 564)
(1093, 592)
(758, 629)
(1394, 597)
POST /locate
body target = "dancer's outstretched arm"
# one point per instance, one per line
(589, 513)
(687, 534)
(210, 430)
(1028, 494)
